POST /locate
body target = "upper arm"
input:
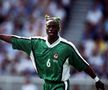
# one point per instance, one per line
(77, 60)
(23, 44)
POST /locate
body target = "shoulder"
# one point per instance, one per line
(68, 43)
(38, 38)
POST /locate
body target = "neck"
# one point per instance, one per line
(52, 39)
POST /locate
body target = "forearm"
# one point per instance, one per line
(99, 85)
(91, 73)
(6, 38)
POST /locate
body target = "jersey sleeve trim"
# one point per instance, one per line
(39, 37)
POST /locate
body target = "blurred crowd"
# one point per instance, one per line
(94, 43)
(26, 18)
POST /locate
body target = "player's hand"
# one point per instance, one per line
(99, 85)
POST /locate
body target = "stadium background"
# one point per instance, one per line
(84, 22)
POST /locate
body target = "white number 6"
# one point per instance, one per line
(48, 63)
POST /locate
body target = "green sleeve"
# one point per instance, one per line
(76, 60)
(21, 44)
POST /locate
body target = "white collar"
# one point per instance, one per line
(54, 43)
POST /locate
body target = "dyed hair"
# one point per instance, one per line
(56, 20)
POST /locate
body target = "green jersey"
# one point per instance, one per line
(52, 61)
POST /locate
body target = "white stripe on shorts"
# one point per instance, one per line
(66, 85)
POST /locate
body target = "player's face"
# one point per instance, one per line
(52, 29)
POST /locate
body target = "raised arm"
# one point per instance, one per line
(6, 38)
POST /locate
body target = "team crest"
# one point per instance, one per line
(56, 56)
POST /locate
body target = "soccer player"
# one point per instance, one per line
(52, 56)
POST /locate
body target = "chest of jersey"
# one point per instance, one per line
(50, 60)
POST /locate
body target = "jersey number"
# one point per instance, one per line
(48, 63)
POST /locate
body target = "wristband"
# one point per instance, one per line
(96, 79)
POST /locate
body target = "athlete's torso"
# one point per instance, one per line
(50, 60)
